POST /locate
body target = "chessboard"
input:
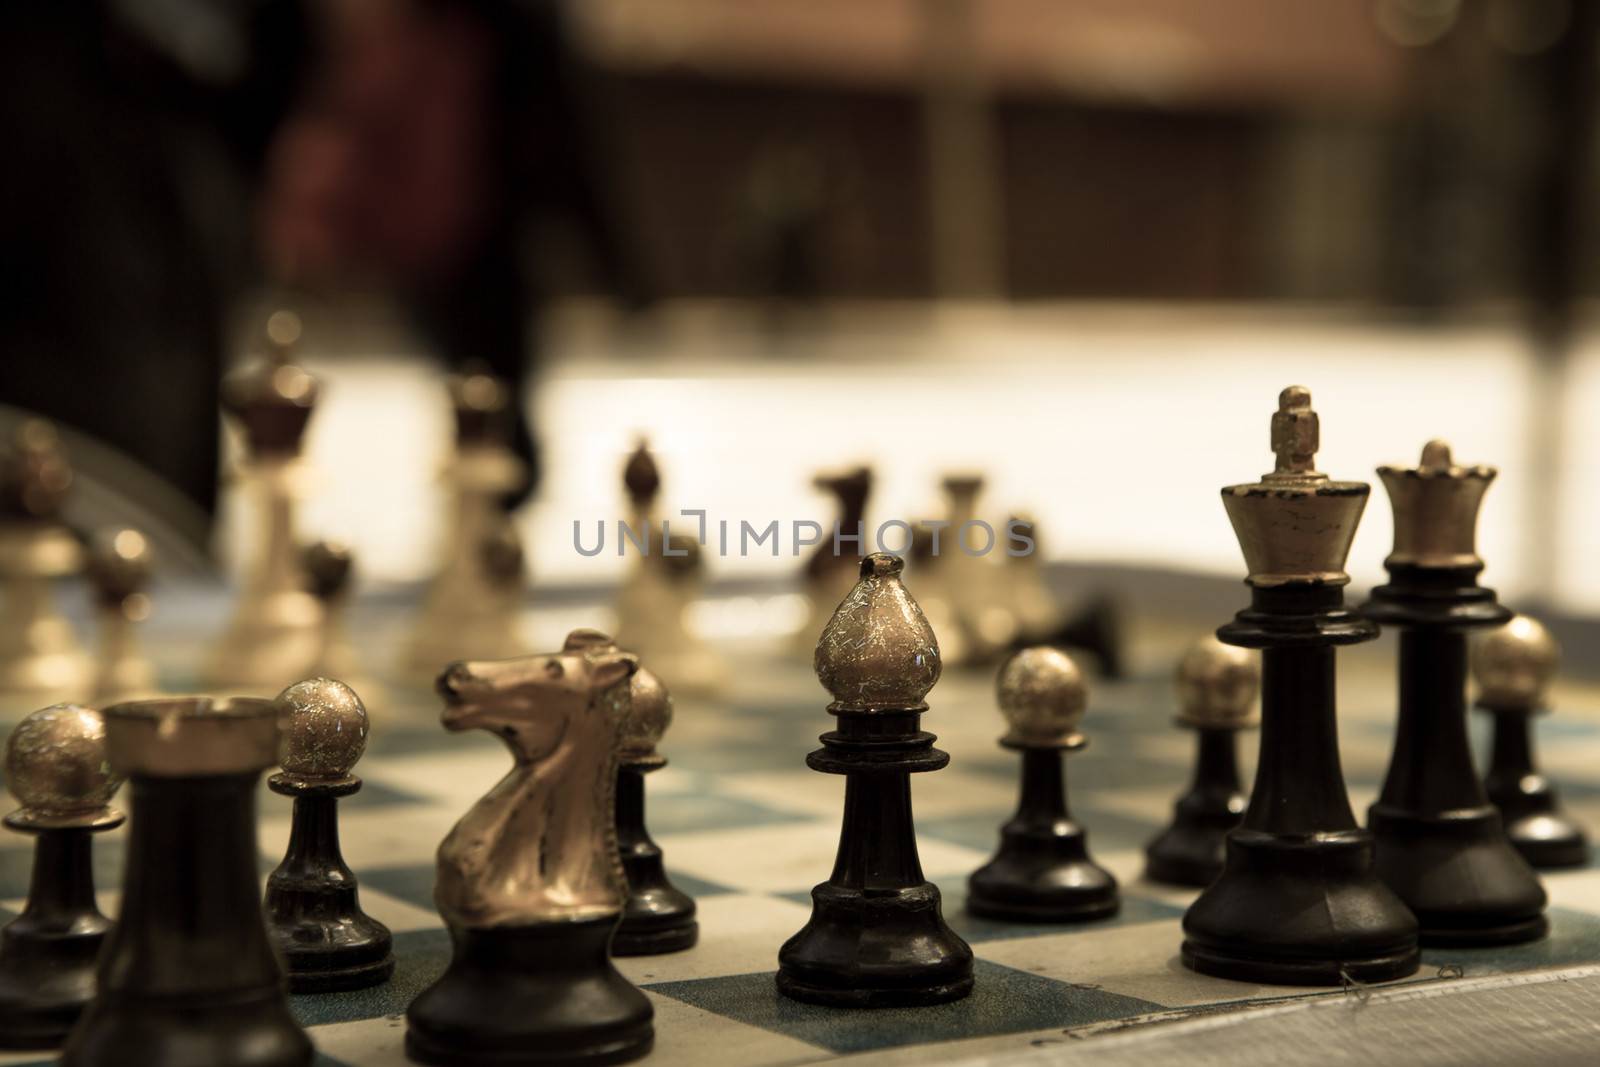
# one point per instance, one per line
(747, 830)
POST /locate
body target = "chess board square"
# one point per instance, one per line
(1003, 1001)
(1574, 938)
(792, 859)
(1106, 827)
(739, 933)
(413, 884)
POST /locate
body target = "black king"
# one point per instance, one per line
(1298, 901)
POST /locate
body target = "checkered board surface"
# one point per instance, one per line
(748, 829)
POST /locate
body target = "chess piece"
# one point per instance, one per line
(659, 917)
(529, 882)
(830, 570)
(654, 602)
(1042, 872)
(188, 977)
(276, 624)
(41, 660)
(471, 608)
(119, 568)
(1298, 901)
(329, 566)
(1513, 667)
(987, 622)
(1217, 686)
(312, 903)
(876, 937)
(56, 767)
(1441, 845)
(1094, 628)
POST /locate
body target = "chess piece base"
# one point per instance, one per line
(1459, 874)
(1191, 851)
(1300, 910)
(530, 996)
(46, 980)
(1549, 840)
(842, 956)
(1043, 875)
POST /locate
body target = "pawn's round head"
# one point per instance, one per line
(1217, 685)
(324, 727)
(56, 767)
(1043, 696)
(649, 715)
(119, 563)
(1514, 664)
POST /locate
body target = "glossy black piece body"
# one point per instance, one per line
(876, 937)
(188, 977)
(659, 917)
(1191, 850)
(312, 903)
(1441, 845)
(1547, 837)
(1042, 872)
(47, 954)
(518, 996)
(1299, 901)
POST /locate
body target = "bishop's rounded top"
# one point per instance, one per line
(56, 767)
(324, 729)
(1436, 509)
(878, 651)
(640, 476)
(1514, 665)
(270, 396)
(1043, 696)
(34, 473)
(1217, 685)
(1295, 525)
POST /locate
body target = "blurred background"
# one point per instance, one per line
(1075, 245)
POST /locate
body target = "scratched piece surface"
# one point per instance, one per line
(748, 829)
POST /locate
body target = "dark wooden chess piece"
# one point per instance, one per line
(1441, 845)
(1513, 666)
(876, 937)
(529, 881)
(659, 916)
(832, 567)
(1217, 686)
(56, 768)
(312, 902)
(1298, 901)
(1042, 872)
(188, 977)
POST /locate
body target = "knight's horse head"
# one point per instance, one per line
(533, 701)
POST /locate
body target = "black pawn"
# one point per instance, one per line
(1513, 666)
(1298, 901)
(312, 903)
(1042, 872)
(189, 978)
(1441, 845)
(876, 937)
(55, 765)
(1217, 685)
(659, 917)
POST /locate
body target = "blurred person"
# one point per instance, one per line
(434, 139)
